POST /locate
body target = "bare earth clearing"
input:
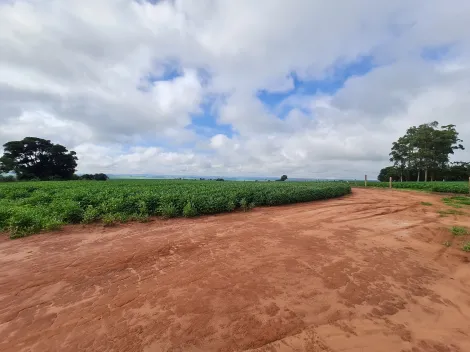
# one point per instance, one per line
(367, 272)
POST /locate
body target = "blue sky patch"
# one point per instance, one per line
(340, 73)
(436, 53)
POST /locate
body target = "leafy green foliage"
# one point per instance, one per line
(443, 187)
(466, 247)
(90, 215)
(450, 212)
(457, 201)
(189, 211)
(29, 207)
(96, 177)
(423, 148)
(244, 205)
(25, 221)
(459, 231)
(169, 211)
(36, 158)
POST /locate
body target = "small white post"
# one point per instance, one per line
(365, 181)
(390, 183)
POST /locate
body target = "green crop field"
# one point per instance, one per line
(445, 187)
(30, 207)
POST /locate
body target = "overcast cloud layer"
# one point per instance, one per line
(310, 88)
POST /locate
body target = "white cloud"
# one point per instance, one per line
(76, 72)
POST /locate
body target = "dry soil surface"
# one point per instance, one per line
(367, 272)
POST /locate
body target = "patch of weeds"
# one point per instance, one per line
(168, 211)
(189, 210)
(447, 243)
(143, 209)
(459, 231)
(245, 206)
(426, 204)
(52, 225)
(135, 217)
(457, 201)
(466, 247)
(231, 205)
(461, 200)
(444, 213)
(91, 214)
(110, 219)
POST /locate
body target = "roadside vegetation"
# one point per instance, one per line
(459, 231)
(444, 213)
(30, 207)
(442, 187)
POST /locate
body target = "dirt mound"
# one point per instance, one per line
(368, 272)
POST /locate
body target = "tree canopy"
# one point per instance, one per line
(95, 177)
(37, 158)
(425, 148)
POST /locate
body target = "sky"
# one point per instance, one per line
(307, 88)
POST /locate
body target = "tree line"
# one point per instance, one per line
(423, 154)
(39, 159)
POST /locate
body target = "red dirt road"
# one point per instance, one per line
(367, 272)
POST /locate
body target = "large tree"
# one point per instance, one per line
(388, 172)
(425, 148)
(38, 158)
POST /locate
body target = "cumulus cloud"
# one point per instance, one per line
(174, 86)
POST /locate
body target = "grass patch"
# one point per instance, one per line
(444, 213)
(426, 204)
(466, 247)
(459, 231)
(443, 187)
(457, 201)
(461, 200)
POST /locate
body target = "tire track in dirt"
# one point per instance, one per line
(359, 273)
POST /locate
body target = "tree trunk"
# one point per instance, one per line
(426, 175)
(401, 177)
(418, 176)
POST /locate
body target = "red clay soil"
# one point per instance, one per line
(367, 272)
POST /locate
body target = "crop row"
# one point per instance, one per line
(30, 207)
(444, 187)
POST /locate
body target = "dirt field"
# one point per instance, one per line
(368, 272)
